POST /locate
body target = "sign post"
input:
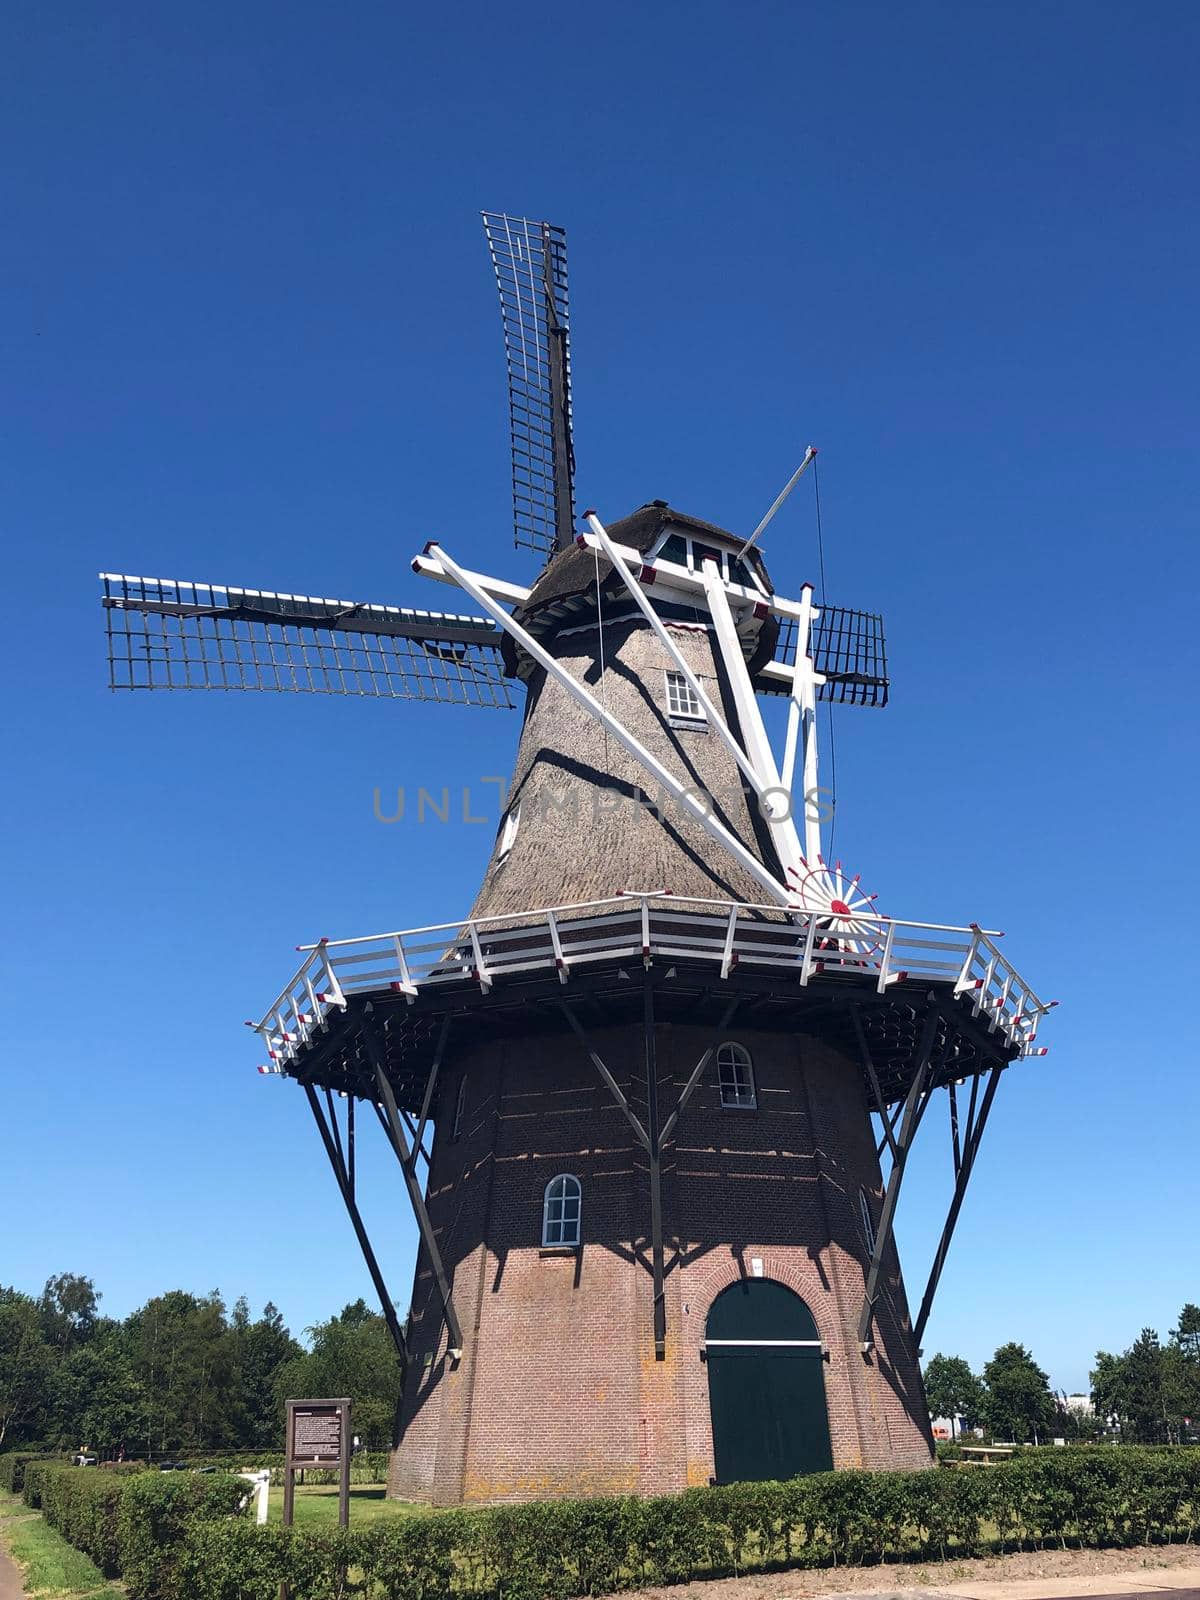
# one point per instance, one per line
(318, 1435)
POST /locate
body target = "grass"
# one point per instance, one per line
(51, 1568)
(317, 1505)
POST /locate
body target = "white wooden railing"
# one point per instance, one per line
(646, 926)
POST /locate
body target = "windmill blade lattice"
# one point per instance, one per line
(164, 633)
(530, 259)
(848, 650)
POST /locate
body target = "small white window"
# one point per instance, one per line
(561, 1210)
(682, 700)
(508, 832)
(735, 1073)
(868, 1221)
(460, 1106)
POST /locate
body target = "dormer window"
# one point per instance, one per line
(681, 550)
(683, 703)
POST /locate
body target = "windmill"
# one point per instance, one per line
(653, 1098)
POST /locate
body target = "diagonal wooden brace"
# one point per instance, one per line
(404, 1155)
(970, 1149)
(914, 1109)
(344, 1183)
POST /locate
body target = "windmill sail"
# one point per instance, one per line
(848, 650)
(530, 259)
(164, 633)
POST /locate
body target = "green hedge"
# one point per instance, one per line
(82, 1504)
(157, 1511)
(557, 1549)
(131, 1525)
(175, 1536)
(368, 1466)
(12, 1467)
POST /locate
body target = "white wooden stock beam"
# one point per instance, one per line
(686, 798)
(642, 601)
(776, 806)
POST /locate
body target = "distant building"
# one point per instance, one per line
(1080, 1404)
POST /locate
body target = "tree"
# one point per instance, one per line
(1151, 1388)
(26, 1367)
(1017, 1403)
(952, 1390)
(68, 1308)
(1145, 1385)
(182, 1357)
(1186, 1333)
(99, 1403)
(352, 1354)
(260, 1349)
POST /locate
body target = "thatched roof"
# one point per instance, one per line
(574, 571)
(565, 593)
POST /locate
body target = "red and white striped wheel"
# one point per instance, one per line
(849, 921)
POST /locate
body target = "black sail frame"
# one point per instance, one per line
(848, 650)
(530, 261)
(165, 633)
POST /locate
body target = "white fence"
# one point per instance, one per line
(798, 946)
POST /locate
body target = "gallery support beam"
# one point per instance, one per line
(345, 1183)
(971, 1139)
(914, 1109)
(654, 1151)
(406, 1156)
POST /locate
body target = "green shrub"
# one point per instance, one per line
(31, 1480)
(177, 1537)
(130, 1524)
(368, 1466)
(82, 1504)
(157, 1509)
(12, 1468)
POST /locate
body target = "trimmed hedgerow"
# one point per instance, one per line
(12, 1467)
(367, 1466)
(558, 1549)
(157, 1511)
(131, 1525)
(177, 1536)
(82, 1504)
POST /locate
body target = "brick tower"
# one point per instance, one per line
(564, 1384)
(640, 1096)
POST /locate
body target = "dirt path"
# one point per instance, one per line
(11, 1587)
(1168, 1570)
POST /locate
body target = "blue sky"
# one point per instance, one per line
(249, 335)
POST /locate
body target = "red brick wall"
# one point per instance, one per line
(558, 1391)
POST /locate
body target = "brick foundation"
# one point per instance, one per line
(558, 1391)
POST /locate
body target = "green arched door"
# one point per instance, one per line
(766, 1384)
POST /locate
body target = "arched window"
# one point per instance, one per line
(868, 1221)
(561, 1210)
(735, 1073)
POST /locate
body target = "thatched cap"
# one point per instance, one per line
(573, 571)
(566, 589)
